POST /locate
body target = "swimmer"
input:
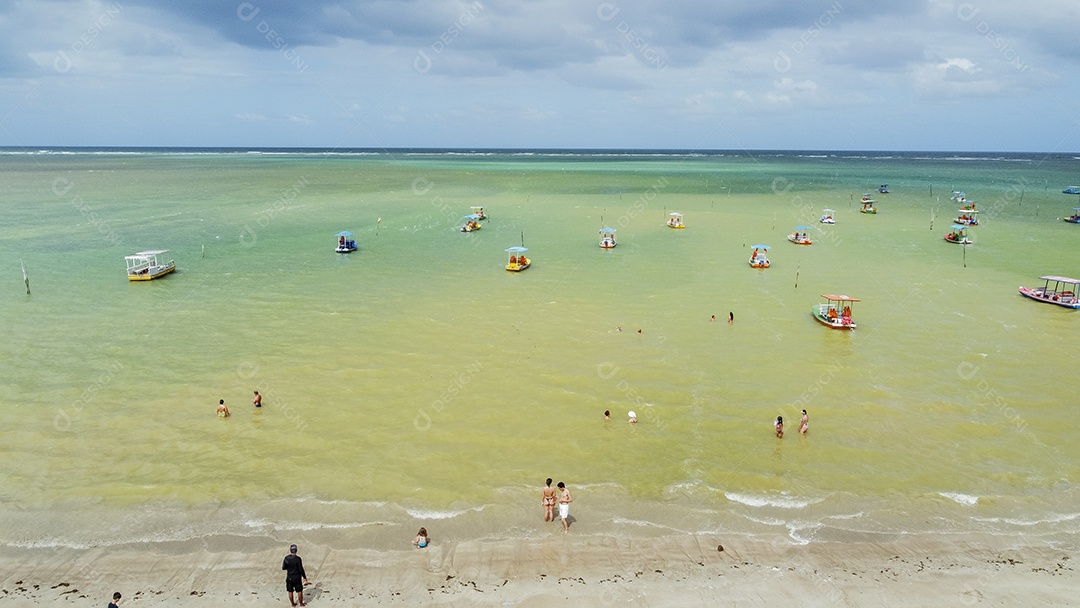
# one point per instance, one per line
(607, 414)
(804, 424)
(730, 318)
(618, 328)
(633, 417)
(713, 318)
(222, 411)
(257, 400)
(779, 424)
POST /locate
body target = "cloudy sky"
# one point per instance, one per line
(986, 75)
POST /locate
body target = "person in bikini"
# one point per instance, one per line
(549, 501)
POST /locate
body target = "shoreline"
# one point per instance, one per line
(601, 570)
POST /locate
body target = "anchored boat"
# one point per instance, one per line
(607, 238)
(518, 261)
(146, 265)
(1062, 291)
(345, 243)
(675, 221)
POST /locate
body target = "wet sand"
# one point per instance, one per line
(584, 570)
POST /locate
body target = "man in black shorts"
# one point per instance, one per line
(295, 578)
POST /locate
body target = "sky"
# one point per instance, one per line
(934, 75)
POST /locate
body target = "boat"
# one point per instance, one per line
(478, 211)
(146, 265)
(966, 204)
(518, 261)
(1075, 217)
(957, 235)
(835, 311)
(472, 222)
(1063, 292)
(1071, 190)
(345, 242)
(867, 204)
(607, 238)
(883, 189)
(675, 221)
(967, 218)
(800, 238)
(758, 259)
(827, 217)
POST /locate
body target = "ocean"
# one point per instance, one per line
(416, 382)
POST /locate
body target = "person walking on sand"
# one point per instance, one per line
(295, 577)
(548, 500)
(804, 424)
(222, 411)
(115, 603)
(564, 506)
(779, 424)
(257, 400)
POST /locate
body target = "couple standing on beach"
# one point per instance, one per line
(564, 499)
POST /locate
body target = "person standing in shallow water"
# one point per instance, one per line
(548, 500)
(779, 424)
(804, 424)
(564, 506)
(257, 401)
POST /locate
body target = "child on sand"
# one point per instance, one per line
(421, 539)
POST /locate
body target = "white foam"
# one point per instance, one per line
(420, 514)
(782, 500)
(964, 499)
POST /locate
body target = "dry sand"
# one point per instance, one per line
(581, 570)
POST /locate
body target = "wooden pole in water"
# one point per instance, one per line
(964, 247)
(931, 219)
(797, 268)
(25, 278)
(1021, 197)
(378, 223)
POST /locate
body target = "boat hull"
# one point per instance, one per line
(759, 264)
(518, 267)
(1073, 220)
(679, 227)
(827, 220)
(791, 237)
(345, 249)
(1039, 295)
(870, 211)
(152, 273)
(964, 241)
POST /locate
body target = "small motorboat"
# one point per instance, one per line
(835, 312)
(883, 189)
(1075, 217)
(472, 222)
(800, 238)
(957, 235)
(345, 243)
(146, 265)
(967, 218)
(478, 211)
(675, 221)
(867, 204)
(518, 261)
(827, 217)
(1062, 292)
(607, 238)
(758, 259)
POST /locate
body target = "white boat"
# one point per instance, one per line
(676, 221)
(957, 236)
(758, 259)
(478, 211)
(147, 265)
(800, 238)
(835, 312)
(607, 238)
(346, 244)
(827, 217)
(1062, 292)
(967, 217)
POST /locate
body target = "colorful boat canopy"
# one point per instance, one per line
(968, 210)
(344, 233)
(765, 247)
(1071, 190)
(840, 298)
(516, 250)
(607, 231)
(803, 228)
(674, 214)
(471, 216)
(958, 227)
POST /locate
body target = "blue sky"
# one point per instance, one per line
(987, 75)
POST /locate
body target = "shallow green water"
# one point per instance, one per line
(417, 379)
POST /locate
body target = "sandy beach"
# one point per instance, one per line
(584, 570)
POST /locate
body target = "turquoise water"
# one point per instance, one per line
(417, 380)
